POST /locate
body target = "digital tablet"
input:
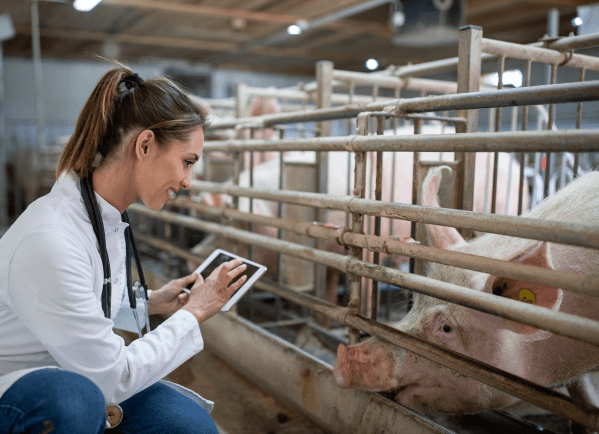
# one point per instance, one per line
(219, 256)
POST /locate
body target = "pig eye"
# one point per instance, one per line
(447, 328)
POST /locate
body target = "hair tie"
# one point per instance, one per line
(132, 81)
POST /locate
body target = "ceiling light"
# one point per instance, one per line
(85, 5)
(294, 29)
(513, 77)
(577, 21)
(372, 64)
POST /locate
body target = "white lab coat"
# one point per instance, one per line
(50, 309)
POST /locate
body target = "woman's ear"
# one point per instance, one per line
(144, 144)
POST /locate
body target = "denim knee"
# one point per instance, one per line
(74, 404)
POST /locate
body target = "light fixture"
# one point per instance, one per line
(294, 29)
(372, 64)
(576, 21)
(85, 5)
(512, 77)
(298, 27)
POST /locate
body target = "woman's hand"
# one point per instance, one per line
(208, 297)
(170, 297)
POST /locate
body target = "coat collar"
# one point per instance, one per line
(68, 183)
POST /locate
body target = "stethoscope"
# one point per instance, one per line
(133, 290)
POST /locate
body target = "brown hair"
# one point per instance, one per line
(111, 112)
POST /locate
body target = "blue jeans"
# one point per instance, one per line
(60, 402)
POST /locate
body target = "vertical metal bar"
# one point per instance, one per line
(355, 281)
(415, 184)
(469, 53)
(278, 304)
(324, 81)
(3, 149)
(550, 127)
(497, 129)
(527, 69)
(552, 32)
(37, 74)
(378, 195)
(578, 120)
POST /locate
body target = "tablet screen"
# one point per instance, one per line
(222, 258)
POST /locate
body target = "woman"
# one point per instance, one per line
(147, 135)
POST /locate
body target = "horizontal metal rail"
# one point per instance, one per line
(570, 43)
(513, 141)
(535, 95)
(522, 227)
(537, 54)
(580, 283)
(509, 383)
(564, 324)
(445, 65)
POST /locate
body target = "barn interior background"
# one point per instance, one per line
(307, 71)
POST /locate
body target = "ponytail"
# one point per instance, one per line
(111, 112)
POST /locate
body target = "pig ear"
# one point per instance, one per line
(441, 236)
(525, 292)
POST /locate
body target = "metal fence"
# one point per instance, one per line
(461, 110)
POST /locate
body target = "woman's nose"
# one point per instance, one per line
(186, 182)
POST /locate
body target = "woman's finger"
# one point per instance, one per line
(235, 286)
(236, 271)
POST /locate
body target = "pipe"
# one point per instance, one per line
(581, 329)
(582, 284)
(37, 73)
(559, 93)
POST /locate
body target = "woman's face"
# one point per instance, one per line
(169, 169)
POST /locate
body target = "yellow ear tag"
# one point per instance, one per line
(527, 296)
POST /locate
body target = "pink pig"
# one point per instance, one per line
(539, 356)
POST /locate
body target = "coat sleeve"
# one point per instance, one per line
(50, 288)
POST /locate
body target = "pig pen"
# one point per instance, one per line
(307, 384)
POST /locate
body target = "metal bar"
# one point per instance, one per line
(550, 122)
(367, 79)
(378, 195)
(324, 80)
(522, 227)
(3, 147)
(537, 54)
(527, 70)
(519, 141)
(509, 383)
(560, 93)
(359, 191)
(579, 116)
(564, 324)
(37, 73)
(579, 283)
(572, 43)
(455, 120)
(497, 129)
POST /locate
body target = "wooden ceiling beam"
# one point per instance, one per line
(192, 44)
(353, 26)
(132, 39)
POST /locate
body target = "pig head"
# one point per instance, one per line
(539, 356)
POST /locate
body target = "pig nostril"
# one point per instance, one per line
(447, 328)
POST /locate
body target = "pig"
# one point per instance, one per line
(539, 356)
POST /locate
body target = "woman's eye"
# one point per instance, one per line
(188, 163)
(447, 328)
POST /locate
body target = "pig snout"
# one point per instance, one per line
(366, 366)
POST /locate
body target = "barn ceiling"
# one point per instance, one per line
(251, 34)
